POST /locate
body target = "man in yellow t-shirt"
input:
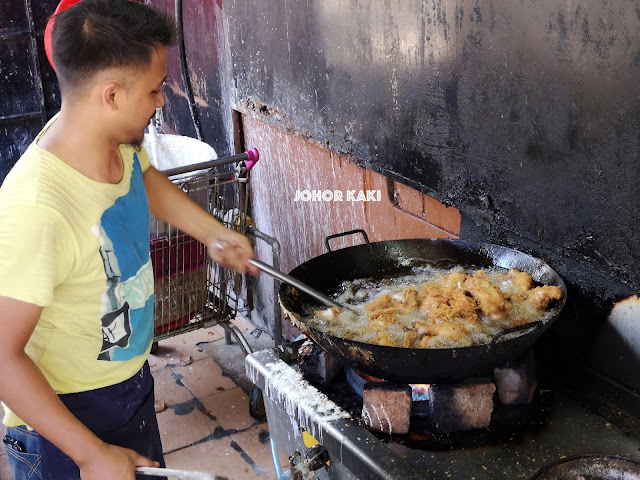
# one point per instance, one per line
(76, 283)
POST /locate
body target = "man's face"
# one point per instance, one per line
(143, 96)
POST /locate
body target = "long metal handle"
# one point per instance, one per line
(289, 280)
(250, 157)
(182, 474)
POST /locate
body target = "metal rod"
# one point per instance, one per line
(289, 280)
(239, 337)
(172, 472)
(206, 165)
(275, 458)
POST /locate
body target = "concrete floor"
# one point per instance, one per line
(202, 396)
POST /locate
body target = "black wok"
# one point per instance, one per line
(397, 257)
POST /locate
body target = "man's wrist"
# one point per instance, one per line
(88, 449)
(214, 231)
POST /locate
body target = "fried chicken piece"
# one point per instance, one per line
(420, 326)
(458, 308)
(444, 335)
(411, 300)
(384, 308)
(434, 294)
(490, 298)
(446, 304)
(453, 280)
(408, 303)
(384, 338)
(522, 280)
(380, 303)
(411, 340)
(382, 311)
(540, 297)
(379, 319)
(444, 313)
(514, 297)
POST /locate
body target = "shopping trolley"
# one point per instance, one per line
(191, 291)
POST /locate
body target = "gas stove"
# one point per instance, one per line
(301, 417)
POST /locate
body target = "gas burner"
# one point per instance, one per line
(357, 381)
(507, 422)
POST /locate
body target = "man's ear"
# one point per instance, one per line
(111, 94)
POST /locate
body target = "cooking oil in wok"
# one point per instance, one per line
(357, 325)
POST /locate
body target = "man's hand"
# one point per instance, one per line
(232, 250)
(113, 463)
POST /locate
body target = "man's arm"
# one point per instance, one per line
(27, 393)
(169, 203)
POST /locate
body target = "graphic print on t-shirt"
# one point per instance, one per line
(127, 302)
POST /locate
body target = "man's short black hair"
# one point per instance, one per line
(95, 35)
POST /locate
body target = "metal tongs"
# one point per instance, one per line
(182, 474)
(289, 280)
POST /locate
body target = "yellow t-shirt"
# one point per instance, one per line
(80, 249)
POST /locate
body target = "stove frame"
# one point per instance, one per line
(293, 406)
(355, 453)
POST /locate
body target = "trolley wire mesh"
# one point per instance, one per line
(192, 291)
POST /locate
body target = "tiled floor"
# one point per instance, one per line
(204, 419)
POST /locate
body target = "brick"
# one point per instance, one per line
(387, 222)
(442, 216)
(316, 365)
(409, 200)
(462, 406)
(516, 384)
(387, 407)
